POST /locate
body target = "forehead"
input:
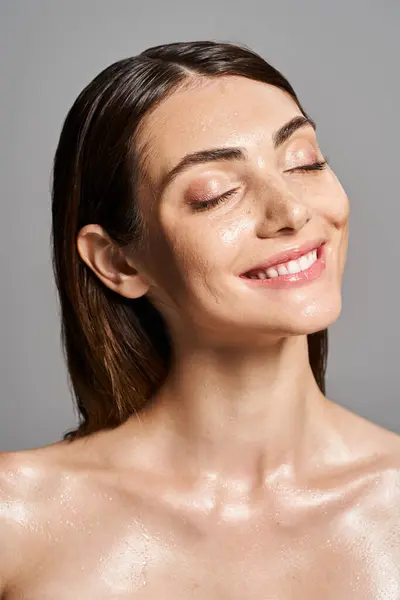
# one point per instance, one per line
(211, 113)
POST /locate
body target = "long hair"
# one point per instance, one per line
(118, 351)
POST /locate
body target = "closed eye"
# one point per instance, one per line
(207, 204)
(317, 166)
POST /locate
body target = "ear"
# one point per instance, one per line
(110, 263)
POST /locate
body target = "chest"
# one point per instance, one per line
(133, 556)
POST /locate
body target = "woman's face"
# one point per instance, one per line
(199, 249)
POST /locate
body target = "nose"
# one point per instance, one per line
(283, 213)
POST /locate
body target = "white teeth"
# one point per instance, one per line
(271, 272)
(294, 266)
(282, 270)
(304, 262)
(289, 268)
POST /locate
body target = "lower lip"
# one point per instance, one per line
(294, 279)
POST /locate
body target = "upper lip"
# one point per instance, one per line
(291, 253)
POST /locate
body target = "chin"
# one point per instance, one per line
(312, 317)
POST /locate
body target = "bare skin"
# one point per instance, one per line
(83, 521)
(241, 480)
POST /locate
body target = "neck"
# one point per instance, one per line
(242, 416)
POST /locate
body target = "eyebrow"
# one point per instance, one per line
(233, 153)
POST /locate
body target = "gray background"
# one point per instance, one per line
(342, 59)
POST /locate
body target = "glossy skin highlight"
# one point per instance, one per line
(241, 480)
(272, 208)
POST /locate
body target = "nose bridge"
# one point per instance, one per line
(282, 210)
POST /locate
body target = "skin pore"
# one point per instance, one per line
(241, 479)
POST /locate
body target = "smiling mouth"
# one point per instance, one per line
(302, 268)
(291, 267)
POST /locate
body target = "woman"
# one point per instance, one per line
(199, 243)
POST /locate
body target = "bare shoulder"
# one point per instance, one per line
(15, 482)
(51, 495)
(363, 437)
(375, 462)
(29, 480)
(28, 476)
(383, 444)
(25, 472)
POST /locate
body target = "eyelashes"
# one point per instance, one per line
(317, 166)
(207, 204)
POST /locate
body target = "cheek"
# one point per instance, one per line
(160, 260)
(231, 233)
(335, 208)
(330, 200)
(343, 247)
(201, 249)
(218, 244)
(339, 209)
(198, 253)
(181, 258)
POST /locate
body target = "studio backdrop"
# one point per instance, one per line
(341, 58)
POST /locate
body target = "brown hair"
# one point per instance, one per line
(118, 351)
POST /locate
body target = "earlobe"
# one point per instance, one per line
(131, 282)
(132, 287)
(110, 263)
